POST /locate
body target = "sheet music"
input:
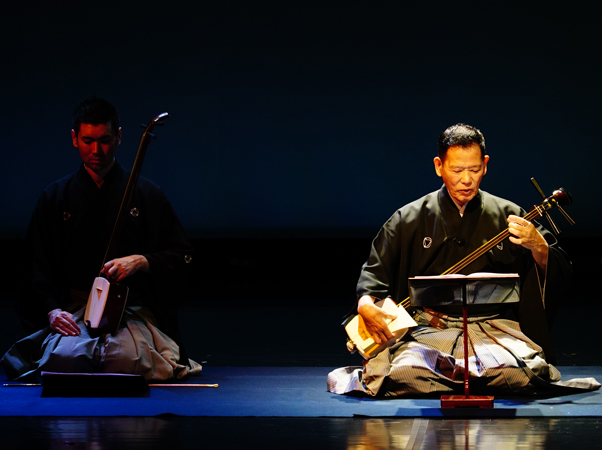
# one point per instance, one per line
(479, 275)
(479, 288)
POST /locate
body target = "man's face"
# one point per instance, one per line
(96, 145)
(462, 171)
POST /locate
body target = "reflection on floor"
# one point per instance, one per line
(172, 432)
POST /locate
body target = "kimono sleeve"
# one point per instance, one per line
(379, 273)
(40, 292)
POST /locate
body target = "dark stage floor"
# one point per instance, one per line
(234, 347)
(300, 328)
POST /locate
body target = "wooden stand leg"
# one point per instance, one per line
(466, 400)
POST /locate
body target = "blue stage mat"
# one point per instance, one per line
(287, 392)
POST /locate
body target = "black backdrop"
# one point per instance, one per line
(305, 118)
(299, 127)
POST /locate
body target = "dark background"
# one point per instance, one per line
(296, 118)
(299, 127)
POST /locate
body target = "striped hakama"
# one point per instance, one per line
(138, 348)
(501, 359)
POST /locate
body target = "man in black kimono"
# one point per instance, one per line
(427, 237)
(67, 240)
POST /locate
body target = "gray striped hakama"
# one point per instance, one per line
(502, 360)
(138, 348)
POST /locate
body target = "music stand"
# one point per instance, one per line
(479, 288)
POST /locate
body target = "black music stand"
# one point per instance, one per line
(465, 290)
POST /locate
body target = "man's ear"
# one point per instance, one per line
(438, 165)
(119, 136)
(485, 161)
(74, 138)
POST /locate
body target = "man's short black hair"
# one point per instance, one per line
(95, 111)
(461, 135)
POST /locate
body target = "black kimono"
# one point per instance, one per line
(66, 244)
(427, 237)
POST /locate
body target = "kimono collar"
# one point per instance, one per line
(448, 205)
(111, 178)
(457, 227)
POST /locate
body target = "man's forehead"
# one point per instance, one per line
(464, 156)
(463, 163)
(89, 129)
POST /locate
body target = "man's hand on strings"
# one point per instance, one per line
(524, 233)
(63, 322)
(375, 319)
(120, 268)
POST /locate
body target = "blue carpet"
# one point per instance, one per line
(287, 392)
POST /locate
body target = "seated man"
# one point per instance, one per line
(427, 237)
(66, 243)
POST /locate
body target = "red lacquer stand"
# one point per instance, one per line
(466, 400)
